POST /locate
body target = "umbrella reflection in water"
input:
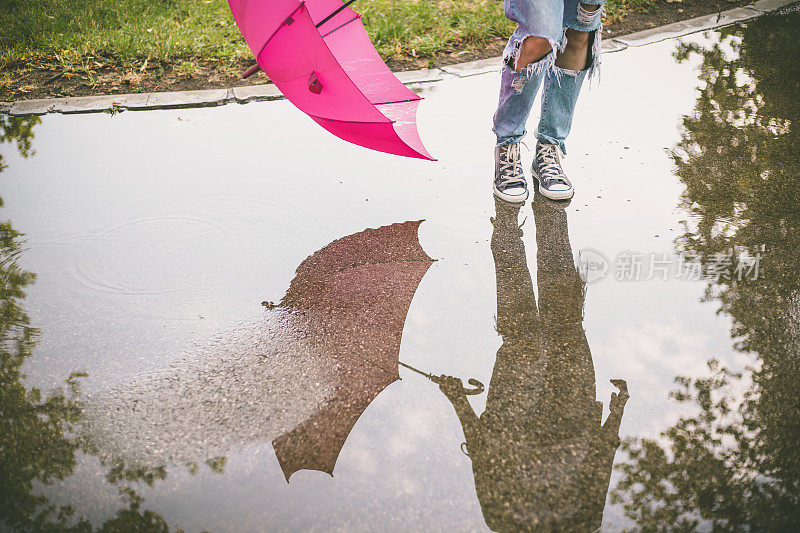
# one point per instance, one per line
(356, 293)
(300, 376)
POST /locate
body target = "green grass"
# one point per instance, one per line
(423, 28)
(116, 31)
(83, 34)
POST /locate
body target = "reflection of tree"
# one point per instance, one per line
(712, 467)
(17, 130)
(36, 430)
(33, 427)
(133, 518)
(736, 464)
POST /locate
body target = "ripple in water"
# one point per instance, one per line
(166, 252)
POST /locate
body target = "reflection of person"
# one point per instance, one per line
(540, 455)
(556, 43)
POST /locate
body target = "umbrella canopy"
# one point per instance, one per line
(357, 292)
(299, 374)
(332, 72)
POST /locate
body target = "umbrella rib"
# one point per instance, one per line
(278, 29)
(388, 121)
(373, 363)
(429, 260)
(340, 26)
(398, 101)
(336, 12)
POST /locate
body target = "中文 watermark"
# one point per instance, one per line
(639, 266)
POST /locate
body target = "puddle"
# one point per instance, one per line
(147, 243)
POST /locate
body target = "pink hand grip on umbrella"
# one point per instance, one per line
(313, 84)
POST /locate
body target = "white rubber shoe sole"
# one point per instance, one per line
(552, 195)
(512, 198)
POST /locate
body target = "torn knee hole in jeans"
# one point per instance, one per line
(548, 62)
(588, 16)
(537, 67)
(595, 44)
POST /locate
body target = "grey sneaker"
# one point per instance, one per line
(509, 177)
(546, 169)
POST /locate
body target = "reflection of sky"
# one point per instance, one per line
(149, 230)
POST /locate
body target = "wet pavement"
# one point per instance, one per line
(236, 287)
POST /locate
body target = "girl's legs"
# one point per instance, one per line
(562, 84)
(572, 65)
(529, 54)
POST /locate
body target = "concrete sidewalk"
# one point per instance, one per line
(258, 93)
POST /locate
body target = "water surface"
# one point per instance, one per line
(154, 238)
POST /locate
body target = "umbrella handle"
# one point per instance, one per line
(249, 72)
(478, 386)
(470, 392)
(475, 383)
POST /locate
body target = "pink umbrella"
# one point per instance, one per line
(319, 55)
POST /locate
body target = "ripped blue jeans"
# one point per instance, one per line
(548, 19)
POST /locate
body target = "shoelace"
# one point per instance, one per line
(509, 161)
(549, 169)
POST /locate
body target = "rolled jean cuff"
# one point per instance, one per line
(546, 139)
(509, 140)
